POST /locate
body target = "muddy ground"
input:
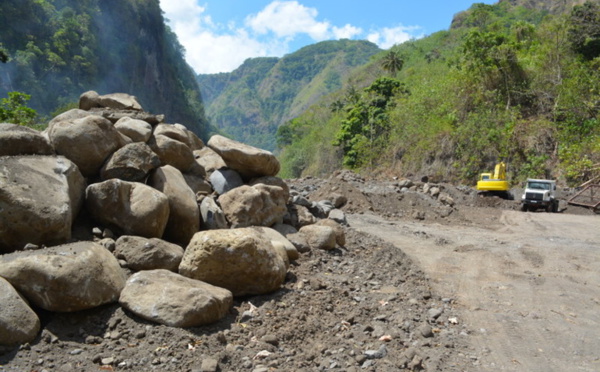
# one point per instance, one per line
(420, 285)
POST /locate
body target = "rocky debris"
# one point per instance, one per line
(172, 152)
(241, 260)
(247, 160)
(298, 279)
(319, 236)
(131, 162)
(137, 130)
(174, 300)
(87, 141)
(184, 215)
(132, 208)
(212, 215)
(148, 254)
(40, 197)
(65, 278)
(258, 205)
(19, 140)
(224, 180)
(117, 101)
(18, 323)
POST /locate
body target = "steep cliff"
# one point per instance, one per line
(59, 49)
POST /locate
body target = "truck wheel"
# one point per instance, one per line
(524, 208)
(549, 207)
(555, 206)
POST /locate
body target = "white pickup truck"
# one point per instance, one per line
(539, 194)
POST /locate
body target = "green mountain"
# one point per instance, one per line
(516, 81)
(58, 49)
(251, 102)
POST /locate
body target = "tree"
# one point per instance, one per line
(3, 54)
(585, 30)
(392, 62)
(13, 109)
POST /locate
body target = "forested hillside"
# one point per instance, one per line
(57, 50)
(251, 102)
(511, 81)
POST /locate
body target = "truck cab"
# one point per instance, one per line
(539, 194)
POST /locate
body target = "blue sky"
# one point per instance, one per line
(219, 35)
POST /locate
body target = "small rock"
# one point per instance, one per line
(209, 365)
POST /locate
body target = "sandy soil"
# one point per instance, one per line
(527, 284)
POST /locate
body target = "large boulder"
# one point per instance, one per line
(209, 160)
(184, 218)
(172, 152)
(132, 208)
(131, 162)
(259, 205)
(19, 140)
(242, 260)
(18, 323)
(117, 101)
(87, 142)
(212, 215)
(247, 160)
(280, 242)
(171, 299)
(70, 115)
(137, 130)
(319, 236)
(340, 235)
(273, 181)
(40, 197)
(65, 278)
(148, 254)
(224, 180)
(193, 141)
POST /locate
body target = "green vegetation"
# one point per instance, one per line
(59, 49)
(251, 102)
(13, 109)
(507, 82)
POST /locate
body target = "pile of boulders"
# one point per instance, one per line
(179, 228)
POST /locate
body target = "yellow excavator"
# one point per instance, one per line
(495, 183)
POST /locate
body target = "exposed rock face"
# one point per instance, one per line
(69, 277)
(131, 163)
(137, 130)
(148, 254)
(132, 208)
(117, 101)
(39, 199)
(243, 261)
(18, 323)
(184, 216)
(19, 140)
(87, 142)
(247, 160)
(167, 298)
(259, 205)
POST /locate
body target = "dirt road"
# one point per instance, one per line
(528, 283)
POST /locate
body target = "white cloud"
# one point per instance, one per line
(288, 18)
(212, 47)
(388, 37)
(346, 32)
